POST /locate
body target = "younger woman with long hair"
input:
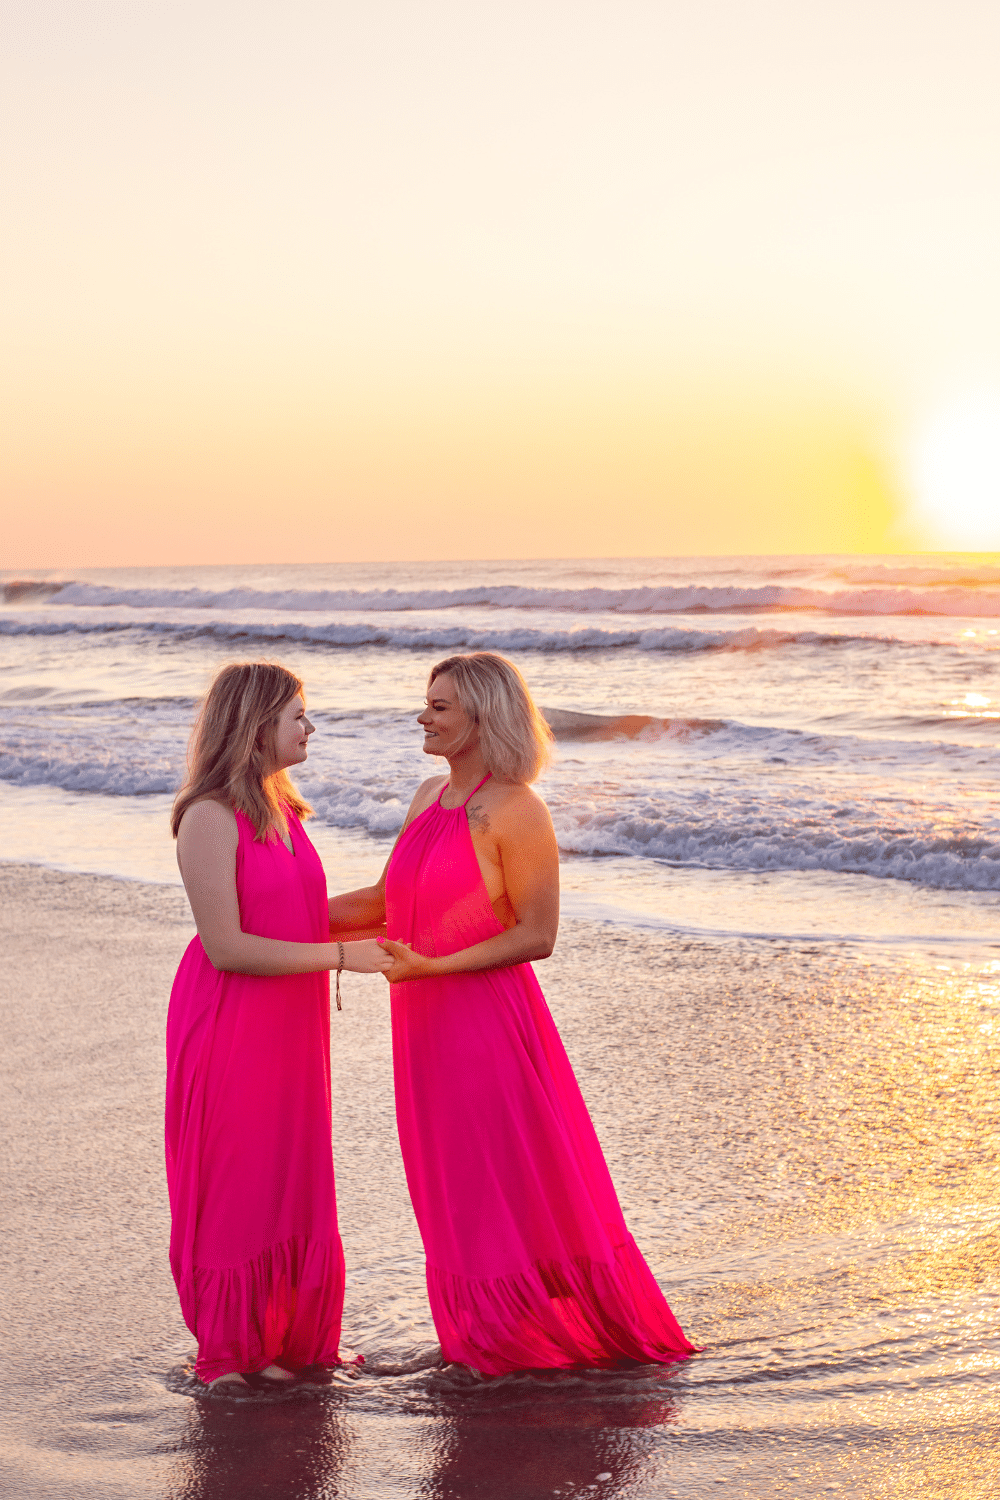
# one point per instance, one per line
(529, 1261)
(254, 1245)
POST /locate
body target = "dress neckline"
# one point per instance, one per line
(277, 839)
(288, 850)
(468, 799)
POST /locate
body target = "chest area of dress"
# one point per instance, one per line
(282, 894)
(438, 851)
(435, 885)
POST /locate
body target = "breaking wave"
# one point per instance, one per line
(28, 590)
(916, 575)
(903, 592)
(509, 637)
(955, 861)
(753, 797)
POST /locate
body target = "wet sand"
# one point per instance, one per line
(805, 1143)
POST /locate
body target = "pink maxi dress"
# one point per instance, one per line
(254, 1245)
(529, 1262)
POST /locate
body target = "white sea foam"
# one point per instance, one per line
(903, 592)
(443, 637)
(750, 797)
(109, 748)
(950, 862)
(793, 743)
(818, 825)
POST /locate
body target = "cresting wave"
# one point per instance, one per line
(453, 637)
(964, 576)
(953, 862)
(28, 590)
(723, 841)
(963, 598)
(813, 815)
(131, 734)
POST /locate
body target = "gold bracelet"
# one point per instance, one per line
(340, 970)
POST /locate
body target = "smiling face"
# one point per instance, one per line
(291, 735)
(444, 721)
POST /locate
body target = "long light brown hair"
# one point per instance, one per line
(513, 736)
(232, 747)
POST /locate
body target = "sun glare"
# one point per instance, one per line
(955, 473)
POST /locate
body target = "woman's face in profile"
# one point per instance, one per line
(291, 735)
(444, 721)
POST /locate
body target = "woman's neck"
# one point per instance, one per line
(465, 772)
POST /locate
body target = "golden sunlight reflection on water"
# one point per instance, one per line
(805, 1145)
(806, 1150)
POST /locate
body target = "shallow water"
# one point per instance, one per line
(805, 1146)
(778, 979)
(811, 716)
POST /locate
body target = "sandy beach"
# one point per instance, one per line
(805, 1149)
(655, 348)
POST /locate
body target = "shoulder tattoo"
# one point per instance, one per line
(478, 818)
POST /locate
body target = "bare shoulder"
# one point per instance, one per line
(425, 794)
(208, 818)
(518, 809)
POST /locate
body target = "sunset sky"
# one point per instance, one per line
(313, 282)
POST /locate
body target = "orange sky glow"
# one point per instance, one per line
(467, 281)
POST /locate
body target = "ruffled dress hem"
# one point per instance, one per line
(557, 1315)
(281, 1307)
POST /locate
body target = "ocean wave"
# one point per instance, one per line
(957, 721)
(965, 595)
(814, 825)
(41, 734)
(968, 861)
(128, 747)
(451, 637)
(917, 575)
(567, 725)
(810, 825)
(894, 742)
(28, 590)
(93, 770)
(349, 804)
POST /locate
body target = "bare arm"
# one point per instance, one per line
(206, 853)
(363, 910)
(530, 859)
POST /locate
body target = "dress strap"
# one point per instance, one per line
(475, 789)
(468, 799)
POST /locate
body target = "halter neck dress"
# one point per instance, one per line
(254, 1245)
(529, 1261)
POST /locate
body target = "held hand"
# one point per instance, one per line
(366, 957)
(405, 963)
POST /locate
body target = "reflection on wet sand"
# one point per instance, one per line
(530, 1437)
(805, 1145)
(267, 1450)
(525, 1437)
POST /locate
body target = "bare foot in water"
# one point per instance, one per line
(232, 1380)
(275, 1372)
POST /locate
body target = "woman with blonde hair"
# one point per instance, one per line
(254, 1245)
(529, 1261)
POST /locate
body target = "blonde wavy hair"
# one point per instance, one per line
(515, 740)
(232, 744)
